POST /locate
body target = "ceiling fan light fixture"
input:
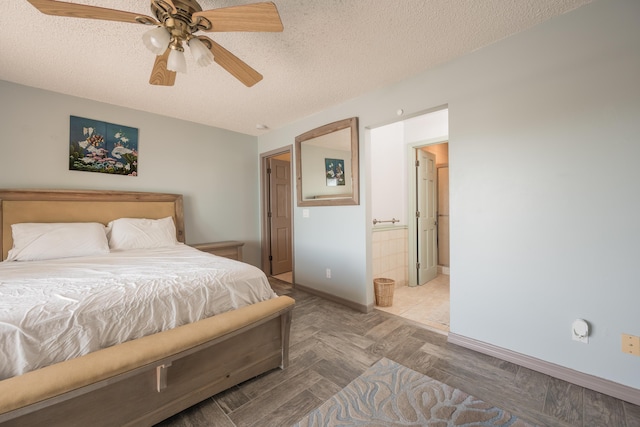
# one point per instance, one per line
(157, 40)
(200, 52)
(175, 23)
(176, 61)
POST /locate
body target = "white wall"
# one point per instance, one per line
(427, 127)
(214, 169)
(543, 152)
(390, 159)
(388, 168)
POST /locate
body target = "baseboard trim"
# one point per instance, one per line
(619, 391)
(354, 305)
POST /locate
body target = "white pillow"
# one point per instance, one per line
(141, 233)
(40, 241)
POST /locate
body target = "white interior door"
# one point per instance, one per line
(426, 216)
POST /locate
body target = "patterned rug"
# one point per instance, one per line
(389, 394)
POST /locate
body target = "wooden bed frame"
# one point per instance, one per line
(143, 381)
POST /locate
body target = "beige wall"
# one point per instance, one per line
(390, 257)
(441, 151)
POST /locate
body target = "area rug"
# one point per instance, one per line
(389, 394)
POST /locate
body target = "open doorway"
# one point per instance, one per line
(432, 213)
(431, 295)
(416, 149)
(277, 209)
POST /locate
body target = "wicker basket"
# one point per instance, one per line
(384, 291)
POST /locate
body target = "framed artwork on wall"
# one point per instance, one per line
(97, 146)
(334, 171)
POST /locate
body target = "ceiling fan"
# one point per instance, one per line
(176, 23)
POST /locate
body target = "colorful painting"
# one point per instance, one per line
(96, 146)
(334, 171)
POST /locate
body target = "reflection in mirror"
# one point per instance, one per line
(327, 165)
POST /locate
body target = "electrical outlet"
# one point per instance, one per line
(631, 344)
(328, 273)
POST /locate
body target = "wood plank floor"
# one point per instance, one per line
(331, 345)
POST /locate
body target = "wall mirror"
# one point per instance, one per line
(327, 165)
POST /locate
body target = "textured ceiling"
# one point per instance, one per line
(330, 51)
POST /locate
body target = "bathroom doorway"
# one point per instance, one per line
(432, 207)
(395, 244)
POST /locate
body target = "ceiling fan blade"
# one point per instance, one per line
(251, 17)
(74, 10)
(234, 65)
(170, 3)
(160, 76)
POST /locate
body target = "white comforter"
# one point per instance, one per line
(56, 310)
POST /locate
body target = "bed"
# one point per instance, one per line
(152, 375)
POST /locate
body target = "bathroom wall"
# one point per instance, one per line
(390, 255)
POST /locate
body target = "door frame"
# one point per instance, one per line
(264, 209)
(412, 227)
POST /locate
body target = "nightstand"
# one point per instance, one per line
(229, 249)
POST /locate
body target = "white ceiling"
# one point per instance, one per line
(330, 51)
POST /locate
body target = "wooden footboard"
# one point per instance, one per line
(144, 381)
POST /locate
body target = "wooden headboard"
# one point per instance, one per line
(17, 206)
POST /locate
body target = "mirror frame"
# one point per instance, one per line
(351, 123)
